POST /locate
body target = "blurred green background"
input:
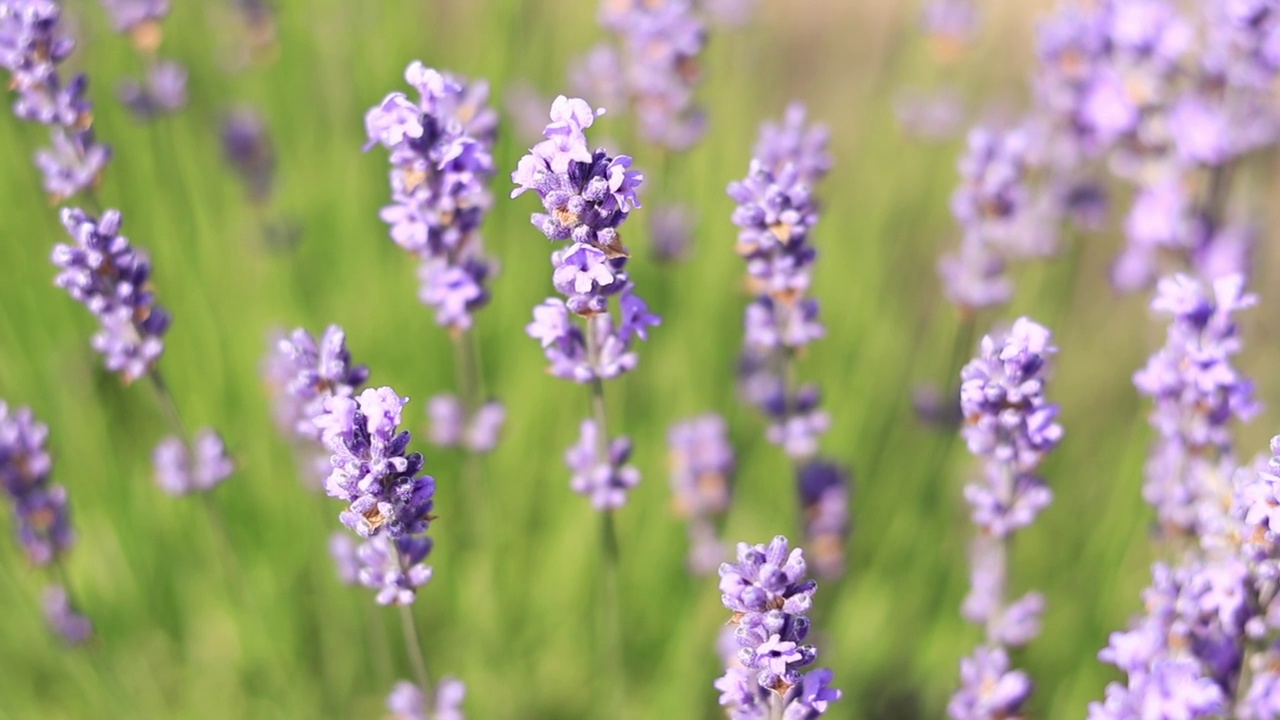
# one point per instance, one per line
(510, 610)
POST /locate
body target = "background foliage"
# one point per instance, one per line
(189, 629)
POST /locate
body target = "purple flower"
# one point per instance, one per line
(1197, 391)
(408, 702)
(1007, 417)
(769, 596)
(1006, 503)
(824, 490)
(394, 567)
(791, 142)
(451, 426)
(371, 470)
(659, 47)
(182, 469)
(105, 273)
(162, 91)
(40, 508)
(441, 155)
(702, 465)
(993, 197)
(247, 147)
(62, 618)
(989, 690)
(312, 372)
(128, 15)
(605, 480)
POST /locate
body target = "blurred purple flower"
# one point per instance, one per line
(201, 466)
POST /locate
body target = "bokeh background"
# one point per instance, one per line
(269, 632)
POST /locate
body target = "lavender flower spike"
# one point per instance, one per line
(104, 272)
(199, 467)
(372, 472)
(770, 597)
(62, 618)
(408, 702)
(605, 480)
(1011, 426)
(40, 507)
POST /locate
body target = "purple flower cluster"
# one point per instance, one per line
(1205, 646)
(372, 471)
(1001, 216)
(1011, 426)
(62, 617)
(453, 426)
(388, 502)
(654, 66)
(824, 501)
(604, 479)
(586, 197)
(702, 468)
(770, 597)
(110, 277)
(248, 149)
(32, 46)
(183, 468)
(1163, 94)
(305, 373)
(408, 702)
(776, 211)
(40, 507)
(441, 166)
(133, 16)
(1197, 392)
(162, 91)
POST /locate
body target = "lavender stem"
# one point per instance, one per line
(413, 646)
(169, 406)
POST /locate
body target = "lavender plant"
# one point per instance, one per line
(1011, 426)
(702, 468)
(163, 88)
(41, 514)
(32, 46)
(442, 166)
(1197, 392)
(776, 213)
(587, 196)
(770, 597)
(102, 270)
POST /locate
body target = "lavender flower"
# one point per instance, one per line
(371, 470)
(440, 148)
(769, 596)
(343, 551)
(308, 373)
(132, 16)
(62, 618)
(40, 508)
(451, 427)
(671, 231)
(394, 567)
(408, 702)
(605, 480)
(1001, 395)
(1010, 425)
(248, 148)
(989, 689)
(162, 91)
(702, 467)
(31, 48)
(587, 196)
(182, 469)
(659, 46)
(105, 273)
(775, 213)
(824, 499)
(1197, 392)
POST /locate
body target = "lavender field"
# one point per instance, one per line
(966, 300)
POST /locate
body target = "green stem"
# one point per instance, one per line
(169, 407)
(413, 646)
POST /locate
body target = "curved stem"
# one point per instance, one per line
(169, 406)
(413, 646)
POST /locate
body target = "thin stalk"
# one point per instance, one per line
(610, 632)
(413, 646)
(169, 406)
